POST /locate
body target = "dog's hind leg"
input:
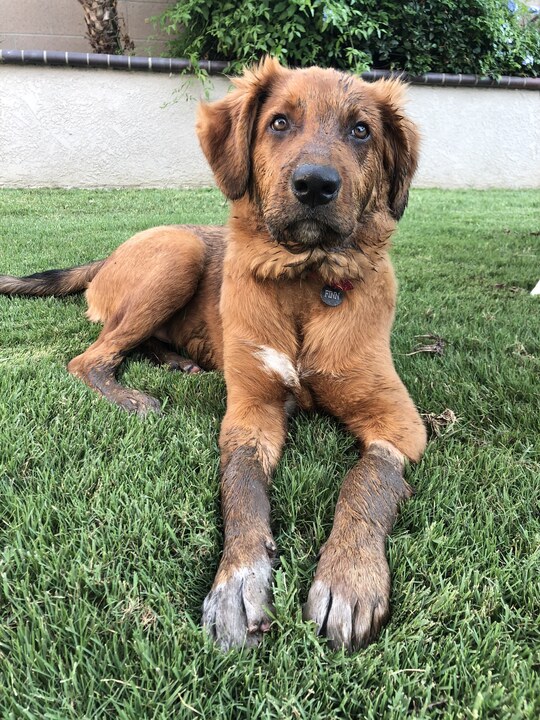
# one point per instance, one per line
(144, 283)
(161, 354)
(97, 366)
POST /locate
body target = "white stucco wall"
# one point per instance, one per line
(64, 127)
(478, 138)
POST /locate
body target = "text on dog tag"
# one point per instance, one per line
(331, 296)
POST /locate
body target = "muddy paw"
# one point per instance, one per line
(102, 379)
(135, 401)
(236, 610)
(349, 598)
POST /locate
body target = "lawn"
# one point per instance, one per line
(110, 524)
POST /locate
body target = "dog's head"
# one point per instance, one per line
(319, 152)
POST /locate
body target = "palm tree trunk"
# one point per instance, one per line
(104, 27)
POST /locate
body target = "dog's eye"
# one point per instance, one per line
(279, 123)
(360, 131)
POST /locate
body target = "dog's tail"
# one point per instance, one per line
(51, 282)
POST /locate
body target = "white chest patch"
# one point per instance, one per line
(277, 362)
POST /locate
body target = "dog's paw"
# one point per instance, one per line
(350, 597)
(180, 364)
(102, 380)
(236, 612)
(135, 401)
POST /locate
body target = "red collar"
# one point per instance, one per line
(344, 285)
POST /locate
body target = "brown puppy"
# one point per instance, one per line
(295, 298)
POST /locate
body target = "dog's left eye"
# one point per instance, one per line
(279, 123)
(360, 131)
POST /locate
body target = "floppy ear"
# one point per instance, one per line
(225, 127)
(401, 144)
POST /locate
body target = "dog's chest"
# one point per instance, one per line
(316, 338)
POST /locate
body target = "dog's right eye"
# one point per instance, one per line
(360, 131)
(279, 123)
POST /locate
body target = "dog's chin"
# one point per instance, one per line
(303, 235)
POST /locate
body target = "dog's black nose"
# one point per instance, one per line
(315, 184)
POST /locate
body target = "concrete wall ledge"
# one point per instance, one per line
(74, 127)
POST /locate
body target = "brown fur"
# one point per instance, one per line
(247, 300)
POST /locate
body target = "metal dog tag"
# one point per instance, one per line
(331, 296)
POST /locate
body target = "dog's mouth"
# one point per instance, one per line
(308, 234)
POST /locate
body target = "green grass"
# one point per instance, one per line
(110, 524)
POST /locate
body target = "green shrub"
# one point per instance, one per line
(468, 36)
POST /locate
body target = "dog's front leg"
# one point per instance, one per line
(236, 611)
(350, 596)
